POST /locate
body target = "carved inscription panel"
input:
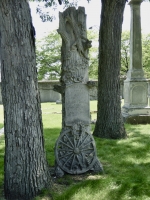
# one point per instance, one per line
(139, 95)
(77, 104)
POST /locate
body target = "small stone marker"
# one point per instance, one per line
(75, 149)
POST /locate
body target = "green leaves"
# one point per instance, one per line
(93, 54)
(146, 54)
(125, 53)
(45, 8)
(48, 55)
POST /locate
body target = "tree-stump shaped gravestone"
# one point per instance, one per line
(75, 149)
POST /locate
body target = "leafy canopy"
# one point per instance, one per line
(125, 53)
(44, 5)
(48, 55)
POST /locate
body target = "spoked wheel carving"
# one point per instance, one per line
(75, 150)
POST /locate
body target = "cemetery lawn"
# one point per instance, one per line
(126, 164)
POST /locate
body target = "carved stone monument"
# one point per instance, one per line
(136, 108)
(75, 149)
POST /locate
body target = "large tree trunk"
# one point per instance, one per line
(26, 169)
(109, 120)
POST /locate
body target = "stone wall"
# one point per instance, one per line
(48, 95)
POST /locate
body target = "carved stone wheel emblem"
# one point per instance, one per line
(75, 151)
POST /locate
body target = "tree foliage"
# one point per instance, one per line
(93, 54)
(48, 56)
(44, 5)
(146, 54)
(125, 53)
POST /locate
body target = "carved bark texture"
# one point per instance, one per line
(74, 51)
(109, 119)
(75, 149)
(26, 169)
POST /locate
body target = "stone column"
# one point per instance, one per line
(135, 71)
(136, 108)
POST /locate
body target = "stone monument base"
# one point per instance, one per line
(137, 119)
(136, 115)
(135, 111)
(136, 108)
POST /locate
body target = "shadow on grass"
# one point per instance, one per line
(126, 164)
(134, 186)
(107, 188)
(50, 137)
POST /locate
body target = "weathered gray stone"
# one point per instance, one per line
(136, 93)
(135, 70)
(77, 104)
(136, 86)
(138, 119)
(75, 149)
(47, 94)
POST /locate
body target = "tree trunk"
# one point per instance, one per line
(26, 170)
(109, 119)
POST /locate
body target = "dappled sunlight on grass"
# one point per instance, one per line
(52, 119)
(51, 115)
(126, 163)
(2, 143)
(50, 137)
(51, 107)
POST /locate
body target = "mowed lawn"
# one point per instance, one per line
(126, 163)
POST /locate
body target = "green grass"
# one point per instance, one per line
(126, 164)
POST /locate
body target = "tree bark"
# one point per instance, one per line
(109, 119)
(26, 170)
